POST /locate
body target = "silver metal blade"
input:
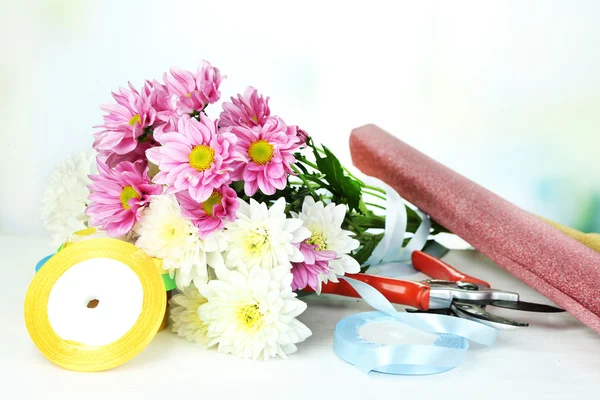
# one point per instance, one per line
(439, 311)
(478, 313)
(525, 306)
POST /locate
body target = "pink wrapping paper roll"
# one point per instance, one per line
(549, 261)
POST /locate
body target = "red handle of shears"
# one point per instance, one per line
(437, 269)
(408, 293)
(413, 294)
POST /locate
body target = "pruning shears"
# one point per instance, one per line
(448, 292)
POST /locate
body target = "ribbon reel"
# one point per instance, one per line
(448, 350)
(391, 259)
(95, 305)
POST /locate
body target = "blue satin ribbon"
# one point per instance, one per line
(42, 262)
(390, 258)
(445, 353)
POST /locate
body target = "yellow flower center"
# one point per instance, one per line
(318, 240)
(202, 157)
(135, 119)
(214, 199)
(127, 194)
(250, 317)
(260, 151)
(171, 231)
(257, 242)
(254, 118)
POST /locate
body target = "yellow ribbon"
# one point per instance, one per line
(84, 234)
(81, 357)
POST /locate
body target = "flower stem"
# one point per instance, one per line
(374, 195)
(314, 179)
(308, 185)
(310, 164)
(376, 189)
(303, 184)
(375, 205)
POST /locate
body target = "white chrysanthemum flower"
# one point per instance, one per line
(65, 197)
(166, 234)
(263, 237)
(253, 315)
(325, 225)
(184, 317)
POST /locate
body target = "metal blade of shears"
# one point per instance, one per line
(438, 311)
(479, 314)
(525, 306)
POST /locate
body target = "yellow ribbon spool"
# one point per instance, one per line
(87, 233)
(84, 357)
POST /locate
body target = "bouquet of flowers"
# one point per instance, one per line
(244, 211)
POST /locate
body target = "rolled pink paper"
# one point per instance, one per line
(546, 259)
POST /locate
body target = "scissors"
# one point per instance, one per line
(448, 292)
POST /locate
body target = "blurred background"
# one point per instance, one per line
(505, 92)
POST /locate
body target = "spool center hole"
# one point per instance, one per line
(93, 303)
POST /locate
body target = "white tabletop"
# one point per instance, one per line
(557, 357)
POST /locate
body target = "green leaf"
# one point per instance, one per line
(301, 158)
(345, 189)
(412, 215)
(362, 255)
(369, 221)
(362, 207)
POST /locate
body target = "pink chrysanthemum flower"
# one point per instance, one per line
(301, 133)
(165, 105)
(138, 154)
(126, 120)
(194, 157)
(211, 214)
(269, 150)
(249, 109)
(315, 262)
(119, 195)
(194, 91)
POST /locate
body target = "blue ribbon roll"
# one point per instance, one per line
(444, 354)
(447, 352)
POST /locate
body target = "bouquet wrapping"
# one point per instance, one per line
(548, 260)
